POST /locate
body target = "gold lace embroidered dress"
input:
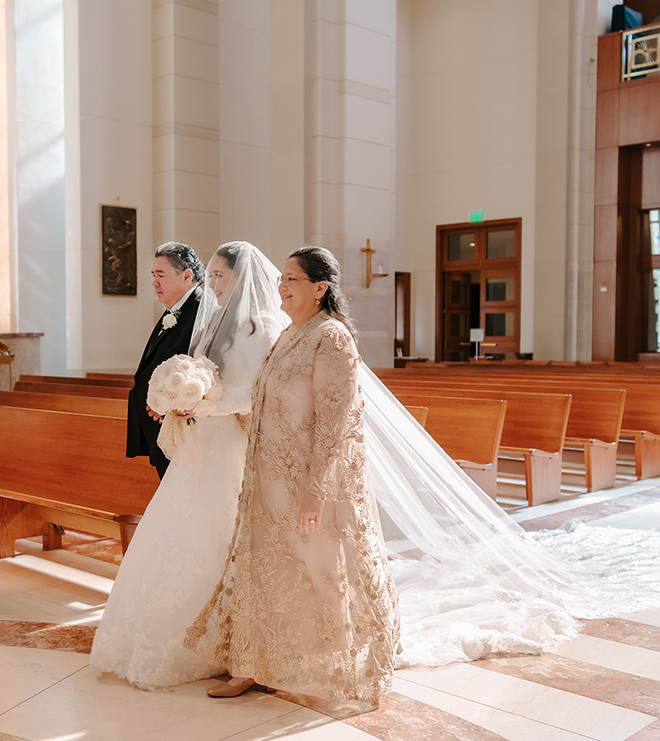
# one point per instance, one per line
(315, 614)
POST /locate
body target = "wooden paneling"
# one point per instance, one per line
(605, 232)
(639, 118)
(651, 178)
(609, 61)
(607, 176)
(607, 117)
(604, 310)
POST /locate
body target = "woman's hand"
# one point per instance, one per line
(311, 509)
(182, 415)
(154, 415)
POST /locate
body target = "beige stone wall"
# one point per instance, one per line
(26, 349)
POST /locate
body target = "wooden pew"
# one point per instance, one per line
(594, 422)
(119, 376)
(534, 430)
(60, 469)
(94, 405)
(72, 389)
(419, 413)
(640, 424)
(468, 430)
(68, 380)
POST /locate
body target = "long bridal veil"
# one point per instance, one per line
(473, 583)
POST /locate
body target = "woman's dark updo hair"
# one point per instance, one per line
(318, 263)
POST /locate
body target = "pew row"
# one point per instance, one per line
(71, 389)
(107, 380)
(61, 469)
(594, 422)
(640, 425)
(115, 376)
(533, 432)
(468, 430)
(94, 405)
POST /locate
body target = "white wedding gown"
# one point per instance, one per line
(179, 549)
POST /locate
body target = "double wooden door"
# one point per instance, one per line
(478, 288)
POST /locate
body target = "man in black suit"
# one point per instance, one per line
(177, 273)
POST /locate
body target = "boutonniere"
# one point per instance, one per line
(170, 320)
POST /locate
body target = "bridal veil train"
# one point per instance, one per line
(471, 582)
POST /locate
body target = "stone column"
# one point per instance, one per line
(351, 145)
(39, 176)
(185, 123)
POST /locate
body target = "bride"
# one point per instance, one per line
(181, 543)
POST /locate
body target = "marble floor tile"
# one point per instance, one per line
(650, 733)
(86, 544)
(633, 633)
(63, 572)
(51, 636)
(399, 718)
(650, 617)
(102, 708)
(537, 703)
(26, 672)
(67, 558)
(27, 606)
(640, 518)
(589, 498)
(6, 589)
(303, 724)
(17, 579)
(636, 661)
(509, 726)
(73, 596)
(581, 678)
(600, 511)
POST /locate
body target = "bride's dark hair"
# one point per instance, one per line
(318, 263)
(230, 252)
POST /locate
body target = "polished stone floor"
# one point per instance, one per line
(603, 685)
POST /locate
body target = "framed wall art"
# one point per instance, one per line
(118, 251)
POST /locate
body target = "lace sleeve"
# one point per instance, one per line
(337, 415)
(250, 352)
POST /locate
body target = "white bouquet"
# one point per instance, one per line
(185, 385)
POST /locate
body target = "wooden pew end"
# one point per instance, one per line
(127, 526)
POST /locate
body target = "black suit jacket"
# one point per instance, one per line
(142, 430)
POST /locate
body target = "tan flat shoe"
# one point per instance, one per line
(227, 689)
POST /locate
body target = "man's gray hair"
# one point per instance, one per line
(182, 257)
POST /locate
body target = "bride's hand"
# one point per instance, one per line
(311, 509)
(183, 415)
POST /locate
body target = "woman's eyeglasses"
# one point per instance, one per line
(282, 281)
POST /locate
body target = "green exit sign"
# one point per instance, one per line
(476, 216)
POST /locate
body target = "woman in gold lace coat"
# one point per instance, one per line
(306, 602)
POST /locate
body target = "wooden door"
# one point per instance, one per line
(457, 316)
(489, 252)
(499, 313)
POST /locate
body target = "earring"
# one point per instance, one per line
(317, 302)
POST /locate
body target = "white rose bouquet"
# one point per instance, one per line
(185, 385)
